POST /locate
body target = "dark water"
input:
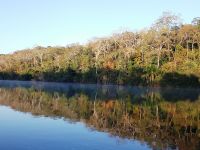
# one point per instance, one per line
(50, 116)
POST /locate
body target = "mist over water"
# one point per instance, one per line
(38, 115)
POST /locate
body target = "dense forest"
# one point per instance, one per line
(165, 54)
(152, 118)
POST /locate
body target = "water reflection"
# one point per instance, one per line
(165, 118)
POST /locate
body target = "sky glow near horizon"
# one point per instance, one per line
(25, 24)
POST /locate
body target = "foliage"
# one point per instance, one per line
(136, 58)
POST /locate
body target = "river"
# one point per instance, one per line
(48, 116)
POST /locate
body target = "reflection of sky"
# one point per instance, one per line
(22, 131)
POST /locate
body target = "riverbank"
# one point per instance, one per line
(165, 80)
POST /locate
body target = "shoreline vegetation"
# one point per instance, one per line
(166, 54)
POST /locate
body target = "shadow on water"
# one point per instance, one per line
(165, 118)
(136, 76)
(174, 78)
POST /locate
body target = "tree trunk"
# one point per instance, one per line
(199, 50)
(168, 49)
(96, 67)
(142, 52)
(192, 46)
(193, 50)
(187, 49)
(158, 57)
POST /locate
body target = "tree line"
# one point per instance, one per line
(167, 53)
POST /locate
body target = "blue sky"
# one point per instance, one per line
(29, 23)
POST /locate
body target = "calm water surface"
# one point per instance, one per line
(49, 116)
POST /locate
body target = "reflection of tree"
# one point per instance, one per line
(162, 124)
